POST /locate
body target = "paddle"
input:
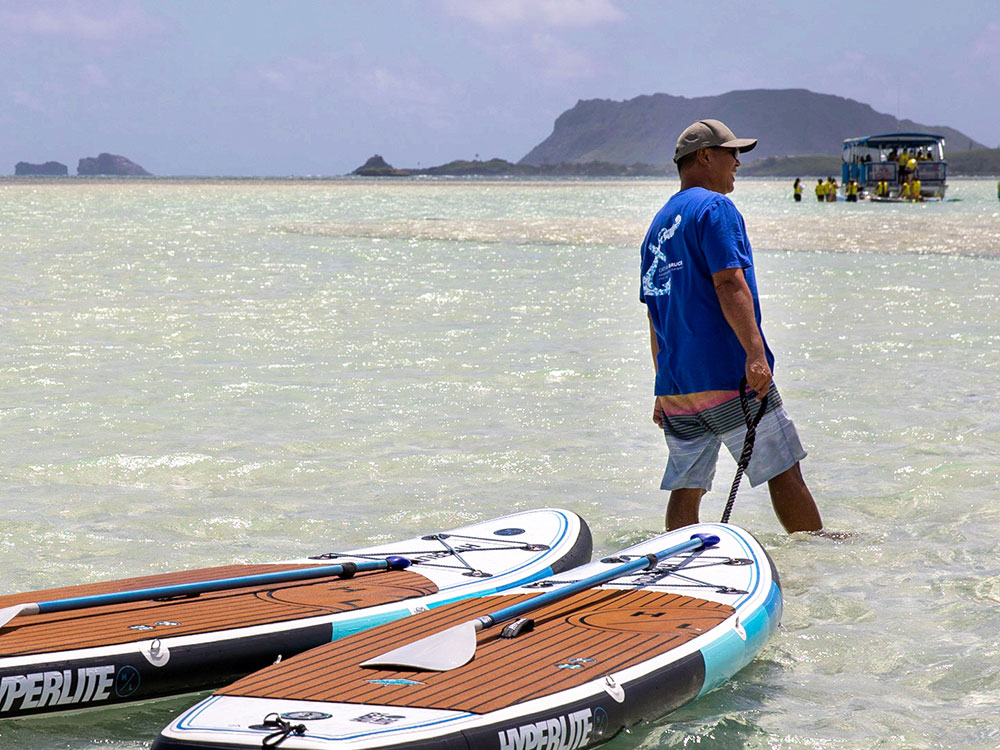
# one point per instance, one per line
(345, 570)
(456, 646)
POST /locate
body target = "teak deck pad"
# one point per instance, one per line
(222, 610)
(588, 634)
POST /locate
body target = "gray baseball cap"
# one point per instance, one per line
(708, 133)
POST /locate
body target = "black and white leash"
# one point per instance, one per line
(748, 442)
(282, 730)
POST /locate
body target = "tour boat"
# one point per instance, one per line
(876, 158)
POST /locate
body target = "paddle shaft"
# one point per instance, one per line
(641, 563)
(223, 584)
(451, 648)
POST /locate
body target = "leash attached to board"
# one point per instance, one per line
(748, 442)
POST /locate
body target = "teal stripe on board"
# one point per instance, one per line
(487, 592)
(730, 653)
(357, 624)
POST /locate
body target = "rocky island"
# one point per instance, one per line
(48, 169)
(110, 164)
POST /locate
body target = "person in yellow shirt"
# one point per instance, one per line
(904, 191)
(915, 190)
(851, 189)
(831, 190)
(797, 190)
(821, 190)
(902, 163)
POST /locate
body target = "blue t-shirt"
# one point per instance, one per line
(697, 233)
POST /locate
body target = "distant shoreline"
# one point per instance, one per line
(977, 164)
(973, 163)
(440, 179)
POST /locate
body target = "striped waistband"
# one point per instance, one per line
(719, 419)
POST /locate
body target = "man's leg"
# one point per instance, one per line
(792, 501)
(682, 508)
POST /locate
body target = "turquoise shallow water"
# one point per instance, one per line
(201, 372)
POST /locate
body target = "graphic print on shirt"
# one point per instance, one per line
(656, 280)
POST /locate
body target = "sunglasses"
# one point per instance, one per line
(733, 152)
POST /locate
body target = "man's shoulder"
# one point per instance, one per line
(698, 200)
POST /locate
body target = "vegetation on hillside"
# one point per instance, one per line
(977, 162)
(817, 165)
(377, 167)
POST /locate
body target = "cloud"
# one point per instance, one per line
(540, 41)
(558, 61)
(98, 22)
(985, 50)
(92, 77)
(28, 100)
(987, 45)
(501, 15)
(401, 90)
(294, 75)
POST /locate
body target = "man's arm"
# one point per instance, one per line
(737, 306)
(657, 409)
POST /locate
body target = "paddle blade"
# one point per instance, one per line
(446, 650)
(9, 613)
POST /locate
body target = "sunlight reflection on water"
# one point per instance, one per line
(201, 372)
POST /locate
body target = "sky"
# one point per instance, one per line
(315, 87)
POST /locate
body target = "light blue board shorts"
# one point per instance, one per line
(694, 440)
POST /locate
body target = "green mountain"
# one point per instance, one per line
(980, 162)
(974, 163)
(787, 122)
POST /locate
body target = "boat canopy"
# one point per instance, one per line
(880, 147)
(895, 140)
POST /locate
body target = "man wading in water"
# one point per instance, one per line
(699, 288)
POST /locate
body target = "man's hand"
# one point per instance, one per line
(758, 376)
(658, 414)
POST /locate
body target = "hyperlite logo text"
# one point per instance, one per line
(566, 732)
(64, 688)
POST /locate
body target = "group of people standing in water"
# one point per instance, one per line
(826, 191)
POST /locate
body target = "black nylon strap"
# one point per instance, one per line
(748, 442)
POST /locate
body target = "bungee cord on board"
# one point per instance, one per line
(451, 552)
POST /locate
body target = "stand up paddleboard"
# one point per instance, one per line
(141, 638)
(587, 653)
